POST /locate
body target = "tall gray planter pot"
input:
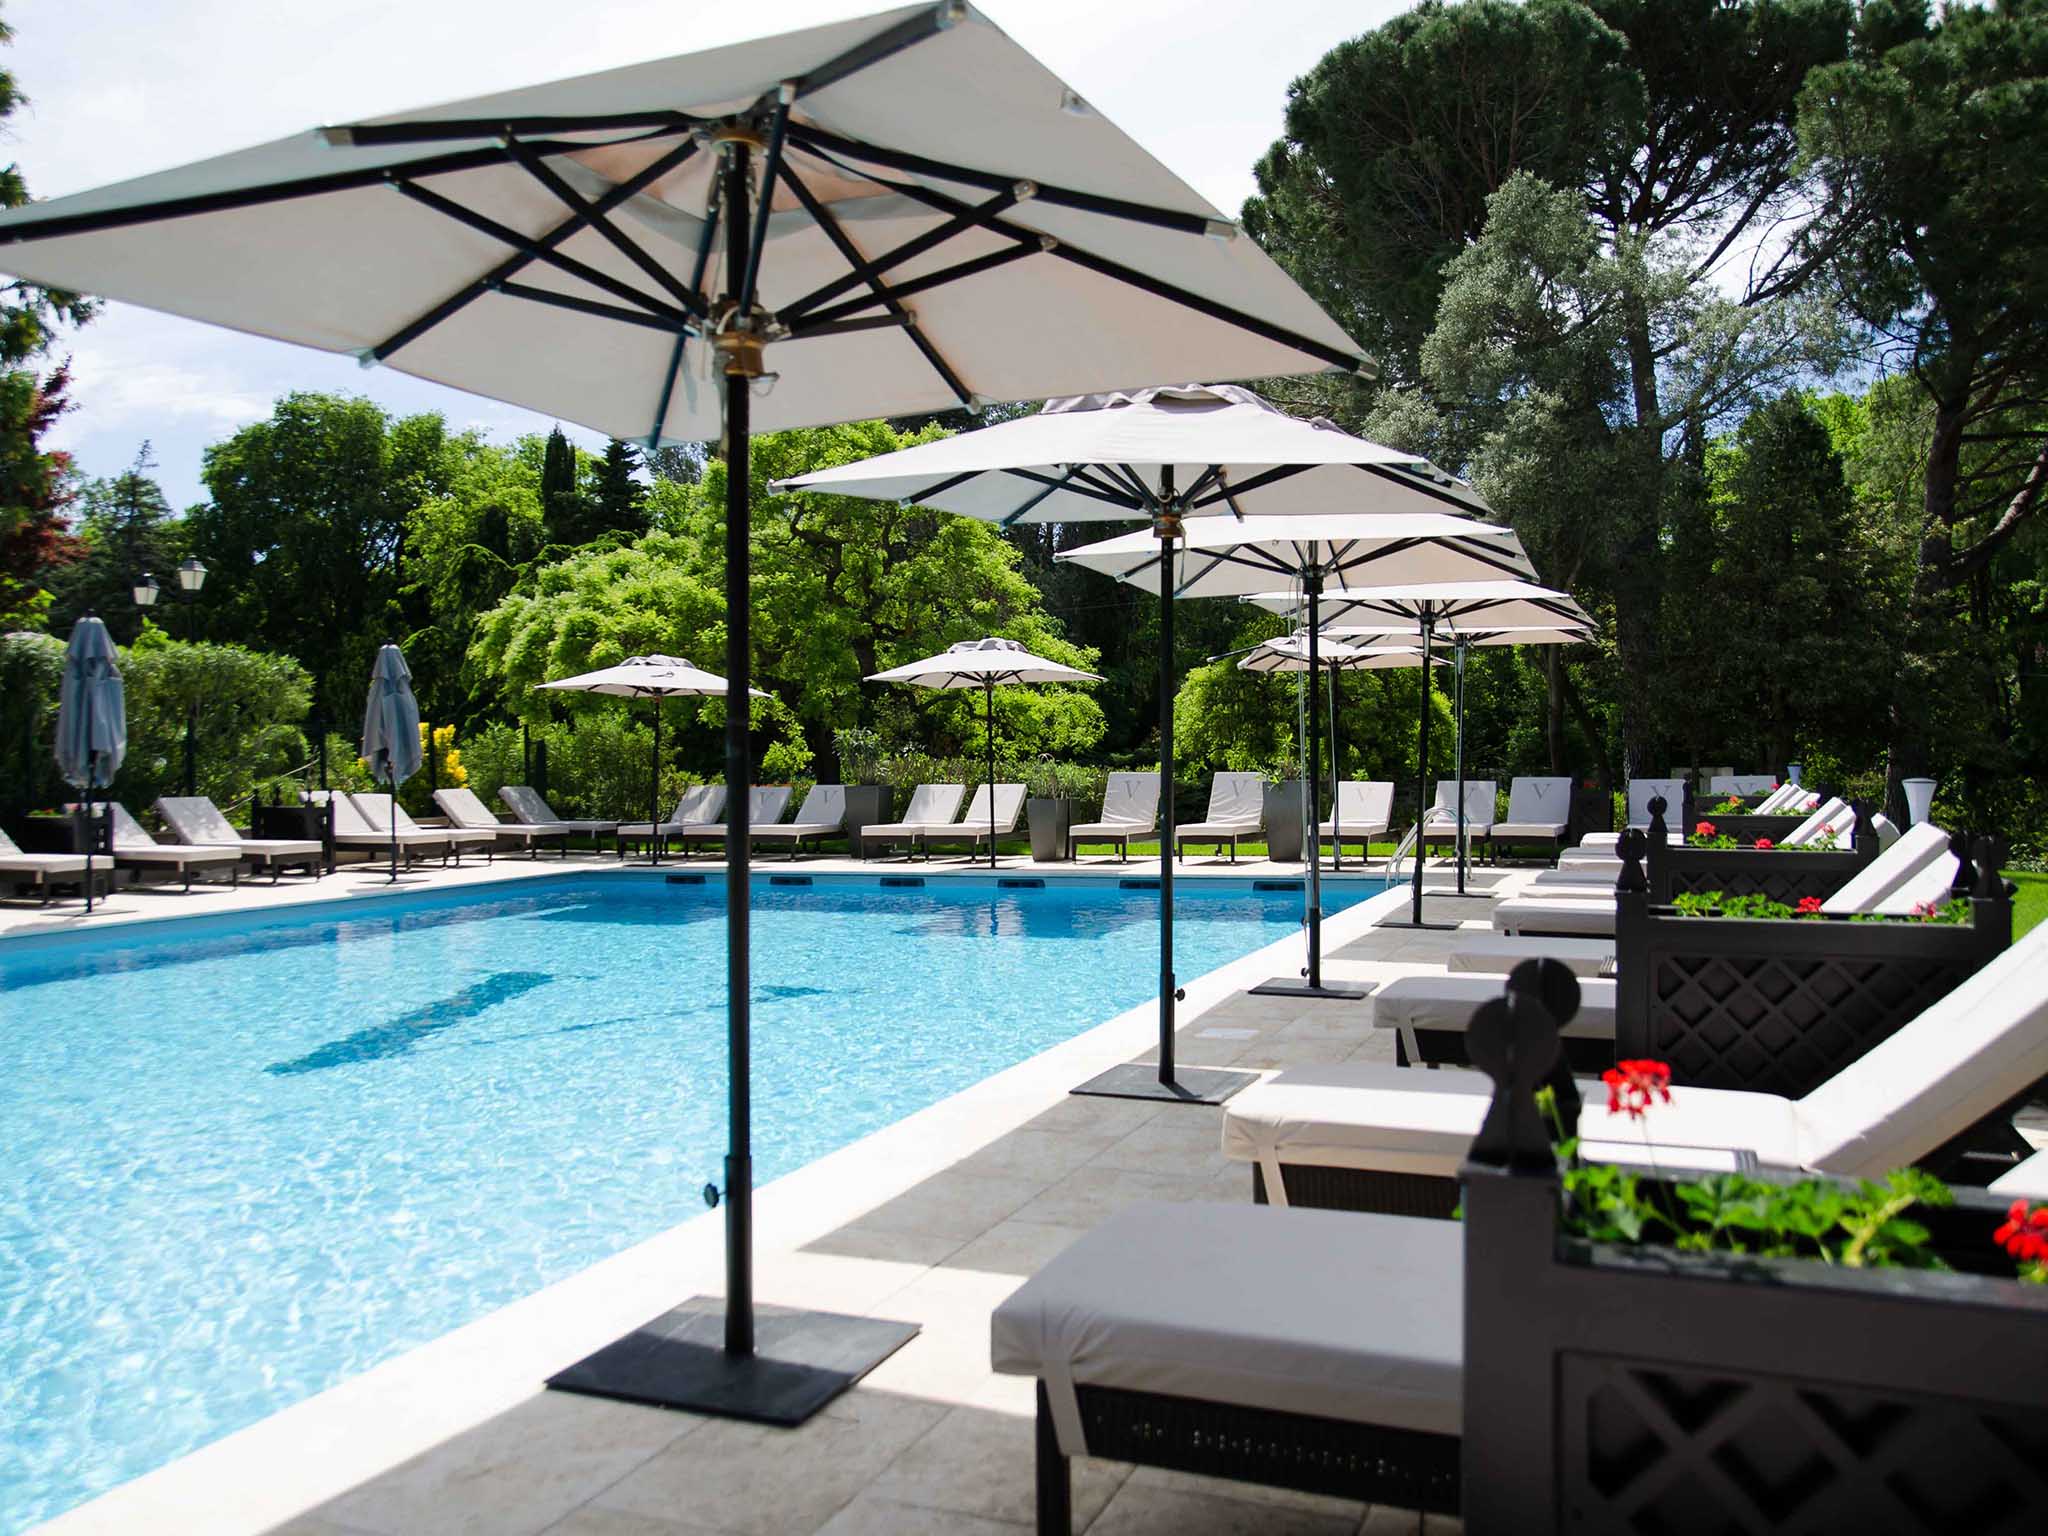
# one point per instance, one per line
(1049, 818)
(1283, 820)
(866, 805)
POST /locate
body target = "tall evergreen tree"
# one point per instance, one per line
(621, 500)
(128, 533)
(565, 512)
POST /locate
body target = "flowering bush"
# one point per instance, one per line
(1704, 829)
(2025, 1238)
(1633, 1085)
(1809, 906)
(1765, 844)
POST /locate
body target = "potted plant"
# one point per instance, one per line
(868, 798)
(1711, 857)
(1050, 790)
(1647, 1349)
(1286, 795)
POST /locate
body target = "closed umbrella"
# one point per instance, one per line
(1428, 606)
(1239, 556)
(1174, 456)
(985, 664)
(391, 731)
(92, 721)
(908, 212)
(657, 678)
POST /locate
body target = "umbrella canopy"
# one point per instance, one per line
(907, 212)
(1198, 448)
(1289, 653)
(1444, 605)
(92, 721)
(982, 664)
(1233, 557)
(1367, 634)
(985, 664)
(655, 677)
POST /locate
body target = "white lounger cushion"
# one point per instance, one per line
(1552, 912)
(1499, 953)
(1536, 808)
(1362, 806)
(1009, 805)
(765, 805)
(1237, 804)
(1332, 1313)
(700, 803)
(1130, 804)
(131, 842)
(14, 861)
(1448, 1002)
(1480, 795)
(525, 803)
(1955, 1063)
(1582, 871)
(2029, 1180)
(931, 808)
(1898, 865)
(196, 820)
(378, 810)
(823, 812)
(1741, 784)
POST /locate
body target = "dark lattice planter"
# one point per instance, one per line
(1612, 1389)
(1781, 874)
(1782, 1005)
(1747, 829)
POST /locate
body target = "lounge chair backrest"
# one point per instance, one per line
(1833, 816)
(824, 806)
(1642, 791)
(128, 832)
(1962, 1058)
(7, 844)
(1540, 800)
(1741, 784)
(766, 803)
(1239, 797)
(1781, 796)
(524, 801)
(934, 803)
(1364, 803)
(1930, 887)
(375, 811)
(195, 819)
(462, 807)
(1009, 806)
(348, 816)
(700, 802)
(1480, 795)
(1898, 865)
(1131, 800)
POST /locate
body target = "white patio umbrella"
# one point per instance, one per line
(1173, 456)
(391, 731)
(1423, 608)
(653, 677)
(909, 212)
(1236, 556)
(92, 722)
(985, 664)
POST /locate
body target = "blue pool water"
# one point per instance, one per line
(246, 1160)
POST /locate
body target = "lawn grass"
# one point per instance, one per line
(2031, 905)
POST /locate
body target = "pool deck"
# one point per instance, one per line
(933, 1220)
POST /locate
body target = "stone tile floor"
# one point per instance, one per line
(932, 1441)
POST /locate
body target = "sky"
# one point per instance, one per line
(118, 88)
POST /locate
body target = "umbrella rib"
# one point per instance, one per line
(1417, 483)
(1036, 478)
(518, 262)
(907, 33)
(594, 307)
(1147, 501)
(1257, 482)
(1085, 474)
(442, 130)
(958, 272)
(843, 243)
(976, 217)
(1010, 520)
(627, 247)
(675, 361)
(771, 164)
(485, 225)
(669, 375)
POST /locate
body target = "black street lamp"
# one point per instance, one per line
(191, 577)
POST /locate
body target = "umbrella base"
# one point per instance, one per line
(1190, 1085)
(802, 1361)
(1409, 922)
(1340, 991)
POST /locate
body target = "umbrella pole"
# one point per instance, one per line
(1167, 526)
(1314, 764)
(1461, 763)
(1421, 781)
(1336, 787)
(989, 690)
(654, 792)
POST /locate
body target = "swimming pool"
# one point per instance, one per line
(249, 1158)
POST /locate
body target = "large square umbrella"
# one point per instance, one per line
(92, 721)
(1179, 457)
(654, 677)
(984, 664)
(898, 213)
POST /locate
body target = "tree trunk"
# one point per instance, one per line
(1638, 582)
(1553, 706)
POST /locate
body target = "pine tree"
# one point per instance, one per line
(565, 511)
(621, 498)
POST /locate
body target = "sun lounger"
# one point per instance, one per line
(972, 829)
(700, 805)
(136, 849)
(1441, 824)
(1539, 811)
(1640, 793)
(196, 820)
(463, 809)
(2028, 1180)
(1364, 811)
(931, 809)
(765, 805)
(354, 829)
(1412, 1005)
(40, 871)
(1742, 784)
(1237, 808)
(378, 810)
(1787, 800)
(1960, 1064)
(822, 815)
(1307, 1349)
(525, 803)
(1130, 809)
(1499, 953)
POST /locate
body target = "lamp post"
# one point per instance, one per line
(191, 577)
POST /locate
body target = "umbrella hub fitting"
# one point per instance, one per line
(1166, 523)
(738, 130)
(738, 338)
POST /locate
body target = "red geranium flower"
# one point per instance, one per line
(1633, 1085)
(1765, 842)
(2025, 1234)
(1809, 906)
(1704, 829)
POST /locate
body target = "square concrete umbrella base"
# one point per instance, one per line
(801, 1361)
(1338, 991)
(1190, 1085)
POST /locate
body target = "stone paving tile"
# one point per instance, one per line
(1143, 1510)
(952, 1205)
(1247, 1493)
(1001, 1484)
(1091, 1196)
(592, 1521)
(1013, 1247)
(872, 1515)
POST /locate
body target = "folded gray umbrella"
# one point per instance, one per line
(391, 731)
(92, 720)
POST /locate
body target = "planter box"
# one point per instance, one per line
(1641, 1389)
(866, 805)
(299, 823)
(1283, 820)
(1783, 875)
(1781, 1006)
(1049, 820)
(1747, 829)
